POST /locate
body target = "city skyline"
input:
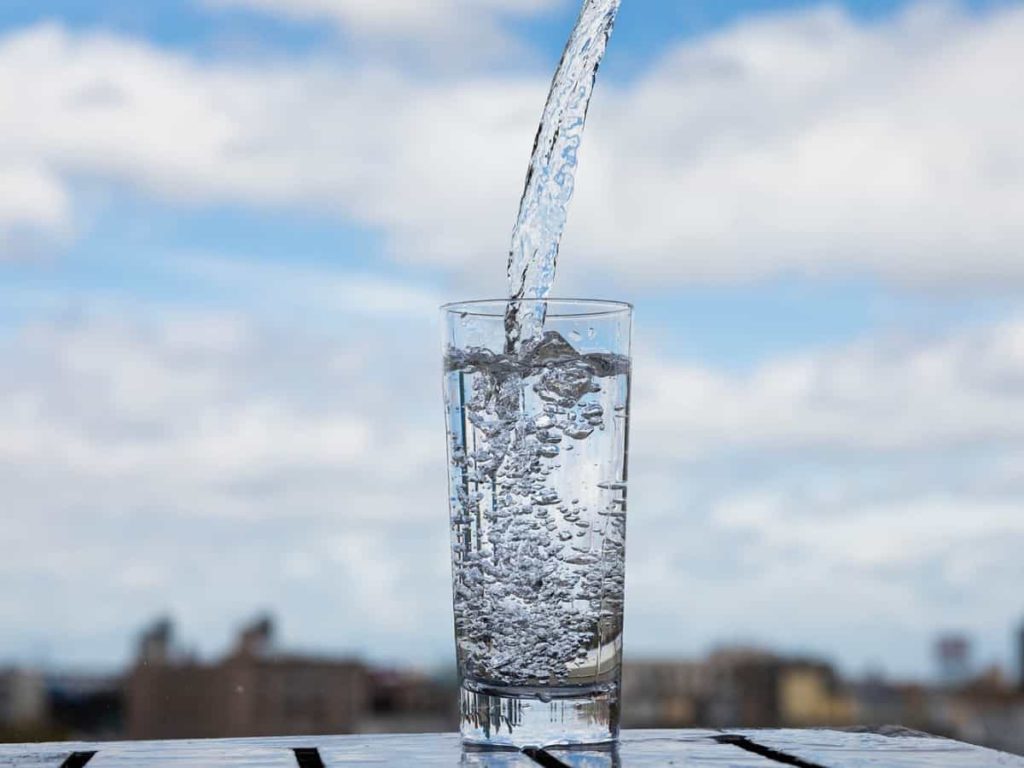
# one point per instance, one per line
(260, 687)
(180, 646)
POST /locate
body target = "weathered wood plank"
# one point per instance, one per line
(195, 754)
(39, 755)
(433, 751)
(489, 760)
(650, 749)
(27, 759)
(837, 749)
(654, 734)
(639, 749)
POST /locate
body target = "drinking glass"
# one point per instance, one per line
(538, 438)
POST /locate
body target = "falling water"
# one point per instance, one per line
(551, 178)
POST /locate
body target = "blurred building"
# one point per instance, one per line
(85, 705)
(52, 706)
(988, 710)
(953, 659)
(758, 689)
(735, 687)
(666, 694)
(22, 699)
(748, 687)
(409, 701)
(1020, 657)
(811, 693)
(884, 702)
(255, 690)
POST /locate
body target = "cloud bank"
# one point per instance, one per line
(212, 465)
(806, 143)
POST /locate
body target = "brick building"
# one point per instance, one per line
(253, 691)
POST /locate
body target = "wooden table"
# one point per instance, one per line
(884, 748)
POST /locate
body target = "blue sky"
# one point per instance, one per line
(226, 222)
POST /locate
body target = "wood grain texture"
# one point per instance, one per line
(837, 749)
(39, 755)
(32, 760)
(649, 749)
(442, 751)
(638, 749)
(192, 754)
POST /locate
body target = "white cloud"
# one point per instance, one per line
(224, 466)
(471, 25)
(806, 143)
(870, 537)
(202, 399)
(851, 501)
(418, 162)
(171, 463)
(881, 395)
(812, 144)
(31, 198)
(274, 286)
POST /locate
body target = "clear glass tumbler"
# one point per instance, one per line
(538, 437)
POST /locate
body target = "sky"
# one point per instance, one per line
(226, 225)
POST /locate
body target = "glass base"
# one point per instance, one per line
(532, 717)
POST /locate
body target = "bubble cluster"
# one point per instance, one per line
(538, 501)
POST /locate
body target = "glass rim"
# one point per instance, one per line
(497, 307)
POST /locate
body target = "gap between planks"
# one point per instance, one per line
(772, 754)
(77, 760)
